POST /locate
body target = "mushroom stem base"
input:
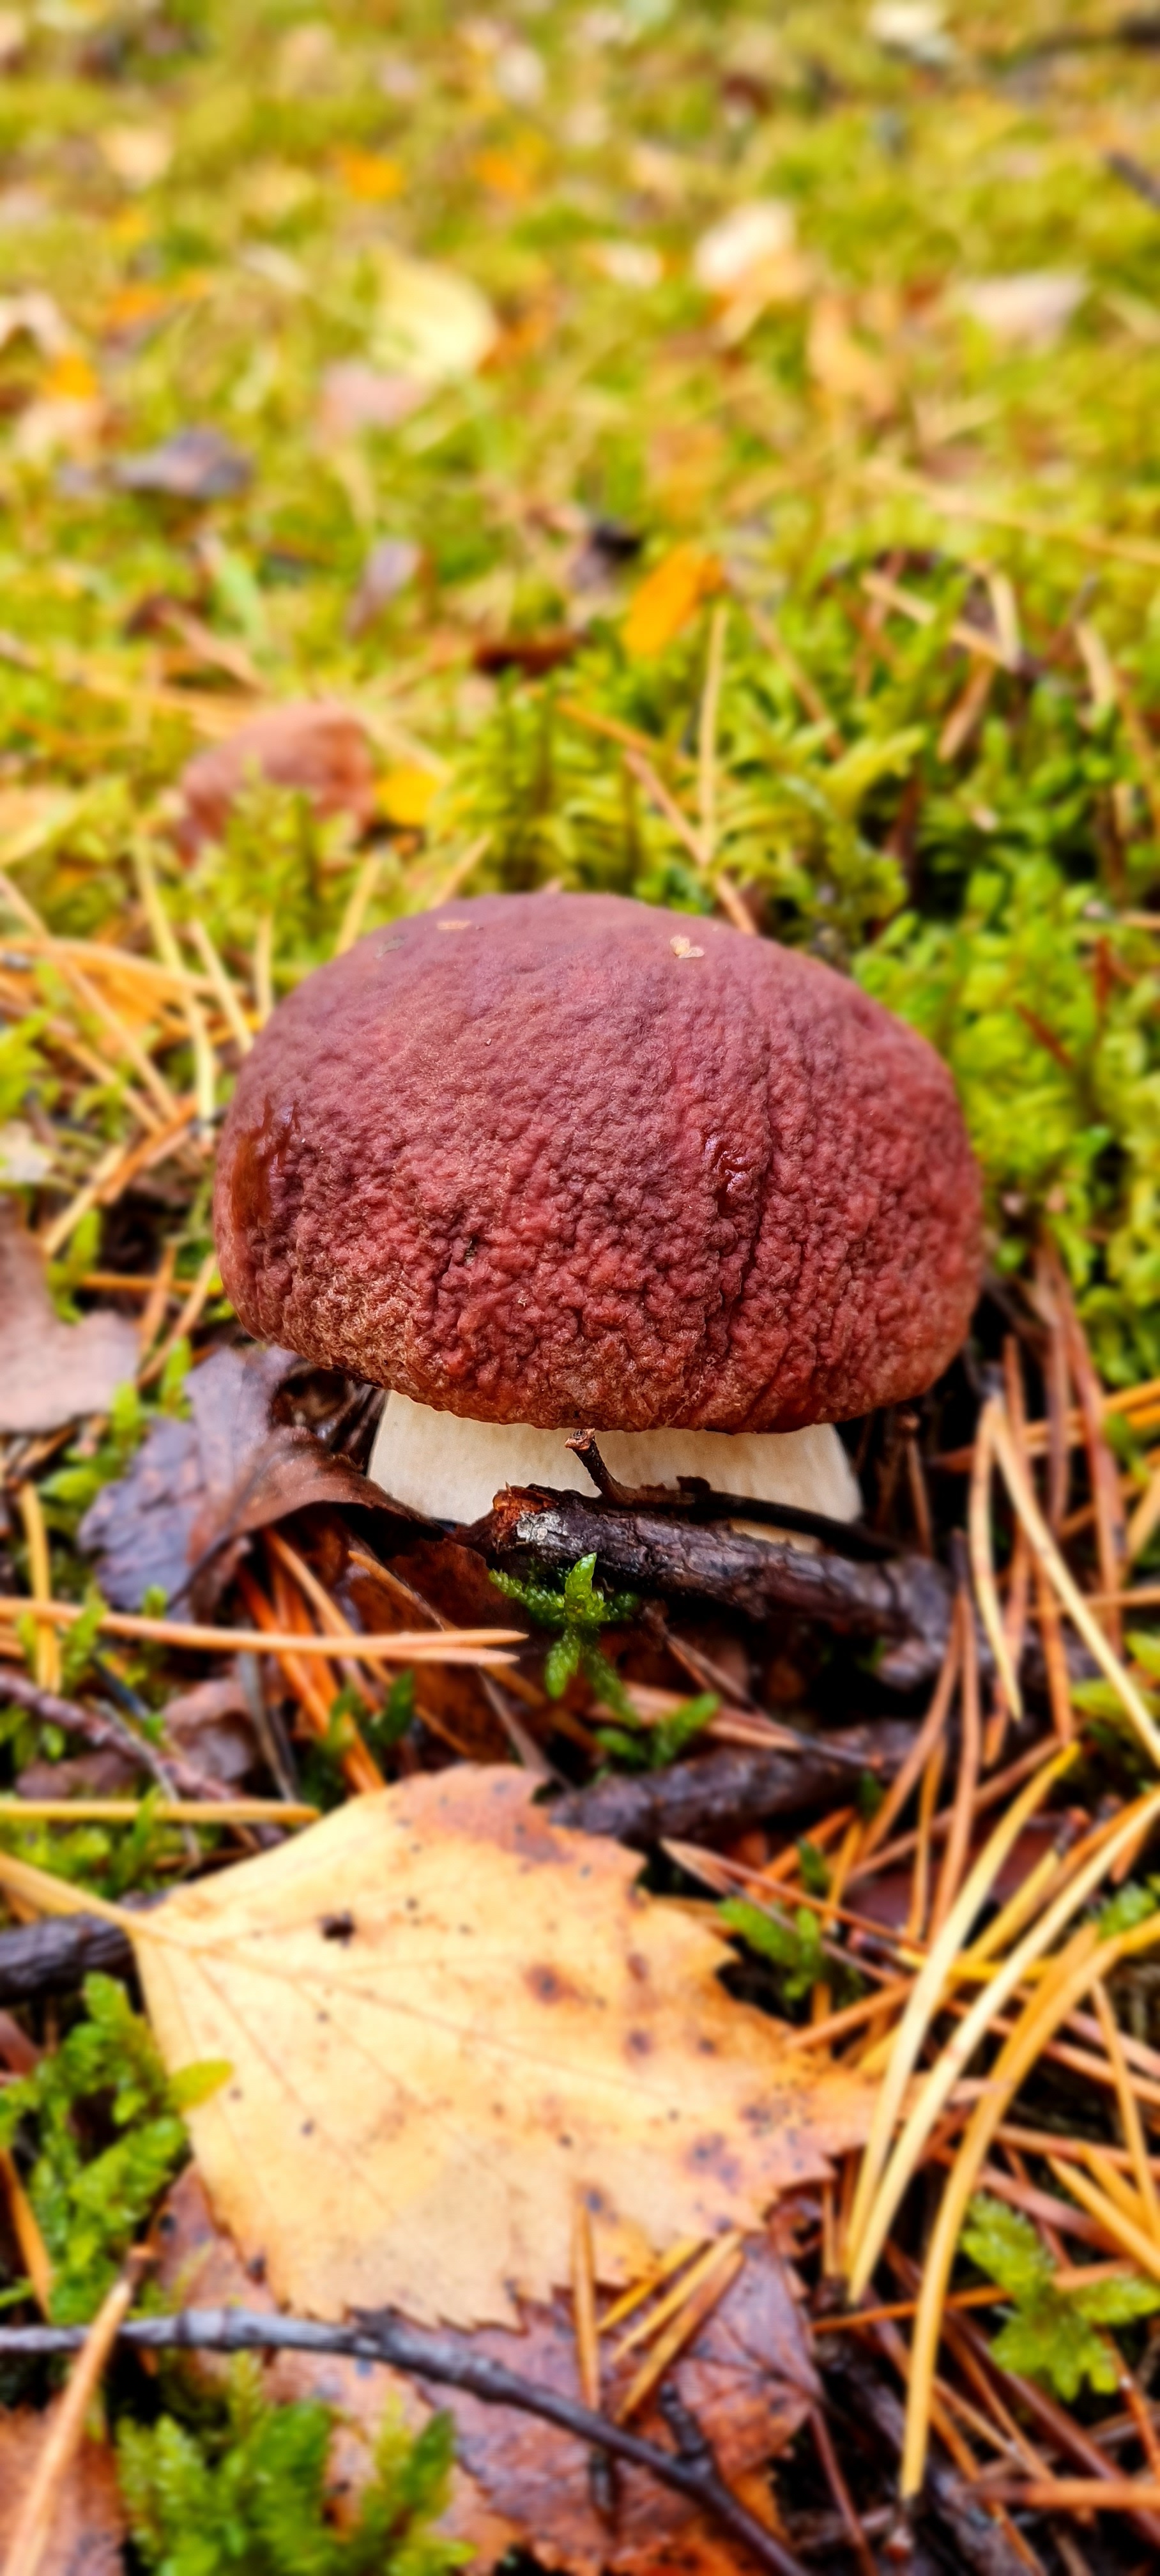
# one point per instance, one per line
(451, 1469)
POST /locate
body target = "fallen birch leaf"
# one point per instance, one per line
(842, 364)
(743, 244)
(668, 597)
(309, 744)
(196, 1489)
(137, 155)
(433, 325)
(1028, 310)
(51, 1373)
(446, 2017)
(88, 2524)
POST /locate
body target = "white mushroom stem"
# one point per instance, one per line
(451, 1469)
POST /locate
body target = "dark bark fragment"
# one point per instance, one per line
(904, 1603)
(732, 1788)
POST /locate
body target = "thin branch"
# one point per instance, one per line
(106, 1733)
(692, 2471)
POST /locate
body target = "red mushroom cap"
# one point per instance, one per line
(566, 1159)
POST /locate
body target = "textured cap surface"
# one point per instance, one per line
(568, 1159)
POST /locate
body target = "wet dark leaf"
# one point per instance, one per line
(388, 568)
(51, 1373)
(88, 2525)
(196, 1489)
(193, 465)
(309, 744)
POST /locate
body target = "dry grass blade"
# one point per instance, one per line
(970, 1753)
(727, 2259)
(30, 2539)
(204, 1060)
(1145, 1520)
(34, 2252)
(1070, 1978)
(40, 1577)
(1103, 1474)
(1068, 1590)
(162, 1811)
(1121, 2225)
(960, 2049)
(912, 2030)
(1130, 2120)
(482, 1646)
(916, 1761)
(983, 1558)
(314, 1689)
(584, 2308)
(224, 991)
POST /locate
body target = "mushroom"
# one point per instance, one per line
(544, 1162)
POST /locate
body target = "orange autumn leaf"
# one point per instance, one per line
(668, 597)
(406, 796)
(70, 378)
(373, 176)
(506, 174)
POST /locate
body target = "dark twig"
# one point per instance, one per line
(53, 1957)
(980, 2542)
(906, 1602)
(105, 1732)
(1142, 181)
(440, 2358)
(733, 1787)
(699, 1501)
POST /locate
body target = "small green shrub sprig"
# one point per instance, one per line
(578, 1612)
(91, 2192)
(1058, 2336)
(247, 2494)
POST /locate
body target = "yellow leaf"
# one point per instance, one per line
(433, 324)
(406, 796)
(668, 598)
(138, 155)
(370, 175)
(842, 364)
(70, 379)
(506, 174)
(447, 2017)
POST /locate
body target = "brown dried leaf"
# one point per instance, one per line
(51, 1373)
(447, 2016)
(746, 2376)
(390, 565)
(88, 2523)
(211, 1725)
(196, 1489)
(310, 744)
(354, 397)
